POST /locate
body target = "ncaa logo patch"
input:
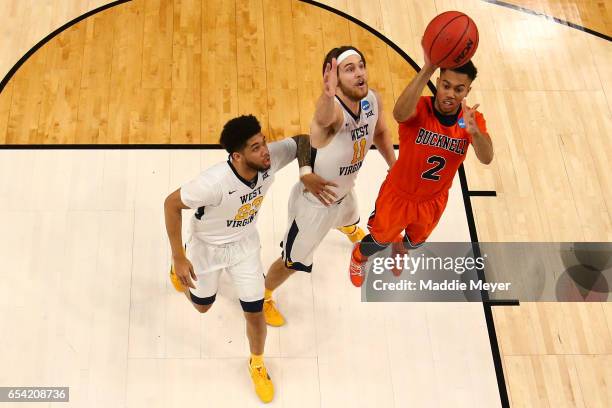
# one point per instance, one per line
(461, 123)
(365, 105)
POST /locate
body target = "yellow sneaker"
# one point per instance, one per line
(353, 232)
(178, 286)
(272, 315)
(262, 382)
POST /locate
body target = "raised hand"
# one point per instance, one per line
(469, 116)
(330, 78)
(428, 64)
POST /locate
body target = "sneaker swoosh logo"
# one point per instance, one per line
(232, 192)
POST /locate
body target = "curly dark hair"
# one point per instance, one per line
(237, 131)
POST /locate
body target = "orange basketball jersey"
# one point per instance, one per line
(430, 153)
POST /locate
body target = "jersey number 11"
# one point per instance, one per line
(358, 150)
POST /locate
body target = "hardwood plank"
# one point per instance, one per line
(281, 64)
(6, 99)
(219, 100)
(157, 44)
(107, 375)
(185, 122)
(541, 381)
(93, 120)
(97, 55)
(308, 42)
(187, 45)
(336, 32)
(367, 11)
(591, 14)
(26, 102)
(595, 376)
(251, 61)
(185, 116)
(141, 116)
(61, 87)
(126, 69)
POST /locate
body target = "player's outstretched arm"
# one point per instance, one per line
(405, 106)
(317, 185)
(173, 207)
(382, 135)
(328, 115)
(481, 141)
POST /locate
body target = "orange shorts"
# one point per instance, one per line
(394, 213)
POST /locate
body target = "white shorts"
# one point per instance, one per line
(309, 222)
(241, 259)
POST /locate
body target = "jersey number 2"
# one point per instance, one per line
(358, 150)
(432, 174)
(249, 209)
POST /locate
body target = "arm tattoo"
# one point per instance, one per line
(303, 149)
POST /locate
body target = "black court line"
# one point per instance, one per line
(504, 302)
(551, 18)
(487, 306)
(466, 198)
(482, 193)
(205, 146)
(45, 40)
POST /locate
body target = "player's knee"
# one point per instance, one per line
(202, 305)
(291, 267)
(251, 308)
(288, 271)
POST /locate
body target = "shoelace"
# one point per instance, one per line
(261, 371)
(356, 269)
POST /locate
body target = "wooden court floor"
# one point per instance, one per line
(172, 71)
(89, 237)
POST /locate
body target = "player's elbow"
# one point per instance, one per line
(486, 158)
(324, 122)
(173, 202)
(401, 115)
(168, 203)
(381, 138)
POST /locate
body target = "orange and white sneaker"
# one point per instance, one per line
(178, 286)
(357, 267)
(398, 248)
(262, 382)
(353, 232)
(272, 315)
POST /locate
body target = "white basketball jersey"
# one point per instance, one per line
(340, 160)
(226, 204)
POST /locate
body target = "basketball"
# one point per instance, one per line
(450, 39)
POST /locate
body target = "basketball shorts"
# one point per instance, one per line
(394, 213)
(241, 260)
(309, 222)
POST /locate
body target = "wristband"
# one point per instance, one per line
(304, 170)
